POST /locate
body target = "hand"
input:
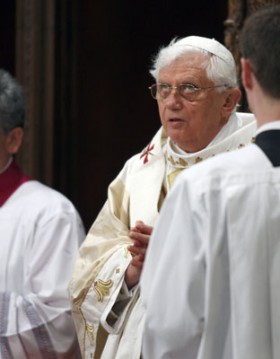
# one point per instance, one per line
(140, 234)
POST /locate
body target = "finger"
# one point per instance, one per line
(143, 228)
(137, 243)
(137, 261)
(142, 238)
(134, 229)
(138, 265)
(137, 250)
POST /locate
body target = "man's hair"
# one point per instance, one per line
(12, 106)
(260, 44)
(217, 69)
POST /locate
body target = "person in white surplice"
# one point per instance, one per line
(197, 94)
(40, 233)
(211, 279)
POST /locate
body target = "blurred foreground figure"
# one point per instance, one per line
(40, 232)
(210, 283)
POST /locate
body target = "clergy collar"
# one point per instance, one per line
(10, 180)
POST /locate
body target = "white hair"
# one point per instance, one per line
(219, 69)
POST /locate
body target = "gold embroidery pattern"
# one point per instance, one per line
(198, 159)
(89, 330)
(102, 288)
(172, 176)
(171, 159)
(181, 162)
(126, 252)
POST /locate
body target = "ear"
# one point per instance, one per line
(246, 74)
(14, 140)
(232, 97)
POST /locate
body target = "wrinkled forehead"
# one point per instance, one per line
(190, 64)
(202, 57)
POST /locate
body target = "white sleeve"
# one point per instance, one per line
(37, 323)
(173, 279)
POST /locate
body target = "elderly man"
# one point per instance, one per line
(40, 233)
(196, 92)
(210, 283)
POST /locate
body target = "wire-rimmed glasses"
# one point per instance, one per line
(185, 90)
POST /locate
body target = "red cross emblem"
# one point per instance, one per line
(146, 152)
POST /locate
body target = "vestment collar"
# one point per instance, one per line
(237, 133)
(234, 135)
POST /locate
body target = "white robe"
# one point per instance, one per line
(210, 283)
(40, 233)
(98, 293)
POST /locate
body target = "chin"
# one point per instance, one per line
(176, 137)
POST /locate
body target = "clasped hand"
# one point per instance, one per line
(140, 234)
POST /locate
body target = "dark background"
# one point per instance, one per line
(7, 35)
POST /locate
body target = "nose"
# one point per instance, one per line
(174, 100)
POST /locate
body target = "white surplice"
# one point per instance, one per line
(210, 284)
(40, 233)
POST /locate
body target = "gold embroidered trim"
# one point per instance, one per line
(181, 162)
(126, 252)
(172, 176)
(102, 288)
(89, 330)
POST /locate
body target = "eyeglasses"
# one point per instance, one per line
(187, 91)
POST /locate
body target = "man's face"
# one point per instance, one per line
(191, 124)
